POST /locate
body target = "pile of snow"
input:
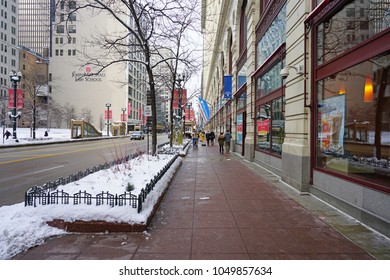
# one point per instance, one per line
(24, 227)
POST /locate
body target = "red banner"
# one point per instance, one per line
(140, 113)
(129, 109)
(108, 115)
(123, 117)
(190, 116)
(176, 98)
(19, 98)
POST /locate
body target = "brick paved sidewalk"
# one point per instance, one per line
(222, 207)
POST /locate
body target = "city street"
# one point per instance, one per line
(24, 167)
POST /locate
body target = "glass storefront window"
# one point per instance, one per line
(273, 38)
(240, 128)
(270, 81)
(355, 23)
(241, 101)
(353, 121)
(270, 126)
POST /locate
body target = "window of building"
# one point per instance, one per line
(72, 29)
(352, 135)
(273, 37)
(243, 27)
(331, 34)
(60, 29)
(270, 59)
(270, 126)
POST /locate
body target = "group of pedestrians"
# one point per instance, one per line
(224, 141)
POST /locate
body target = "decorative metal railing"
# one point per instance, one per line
(49, 193)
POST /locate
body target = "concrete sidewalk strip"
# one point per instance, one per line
(220, 206)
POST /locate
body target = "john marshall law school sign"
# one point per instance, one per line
(87, 77)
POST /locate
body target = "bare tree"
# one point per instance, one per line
(148, 27)
(69, 113)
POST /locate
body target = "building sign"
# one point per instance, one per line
(239, 129)
(19, 98)
(86, 76)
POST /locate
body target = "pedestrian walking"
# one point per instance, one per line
(228, 137)
(7, 134)
(208, 138)
(221, 142)
(195, 137)
(212, 137)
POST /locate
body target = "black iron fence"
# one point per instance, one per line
(49, 193)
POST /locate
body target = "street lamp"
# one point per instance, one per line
(108, 105)
(15, 79)
(180, 79)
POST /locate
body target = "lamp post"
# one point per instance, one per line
(124, 119)
(15, 79)
(108, 105)
(179, 80)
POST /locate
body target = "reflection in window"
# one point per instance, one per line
(269, 82)
(241, 101)
(355, 23)
(270, 126)
(273, 37)
(353, 125)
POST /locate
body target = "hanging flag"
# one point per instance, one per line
(140, 113)
(129, 109)
(227, 87)
(204, 108)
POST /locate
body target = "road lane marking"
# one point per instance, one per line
(56, 154)
(48, 169)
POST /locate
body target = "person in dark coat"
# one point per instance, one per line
(7, 134)
(221, 142)
(212, 137)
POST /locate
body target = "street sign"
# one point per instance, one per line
(148, 111)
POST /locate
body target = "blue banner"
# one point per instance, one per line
(227, 87)
(205, 108)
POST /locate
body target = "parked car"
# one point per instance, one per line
(137, 135)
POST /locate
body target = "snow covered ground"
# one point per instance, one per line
(24, 227)
(24, 136)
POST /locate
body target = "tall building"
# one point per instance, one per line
(304, 87)
(120, 89)
(34, 25)
(9, 56)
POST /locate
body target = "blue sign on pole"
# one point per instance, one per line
(227, 88)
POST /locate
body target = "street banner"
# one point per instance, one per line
(19, 98)
(227, 87)
(129, 109)
(140, 113)
(176, 98)
(108, 115)
(123, 117)
(204, 108)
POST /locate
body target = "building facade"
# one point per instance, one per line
(119, 89)
(304, 87)
(35, 25)
(9, 55)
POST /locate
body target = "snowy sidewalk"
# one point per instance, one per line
(222, 207)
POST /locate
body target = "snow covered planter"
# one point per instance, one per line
(106, 200)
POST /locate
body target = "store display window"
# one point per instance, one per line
(353, 121)
(270, 126)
